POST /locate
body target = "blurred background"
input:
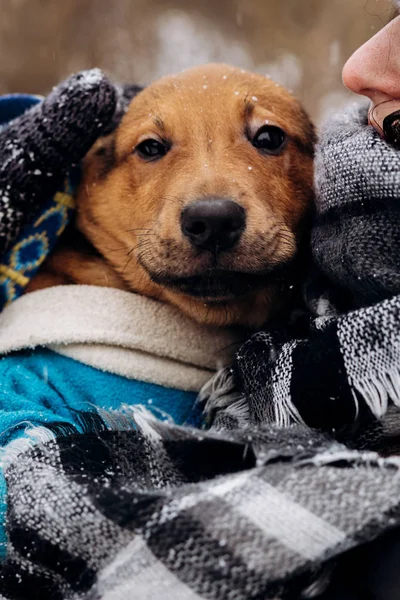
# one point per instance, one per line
(302, 44)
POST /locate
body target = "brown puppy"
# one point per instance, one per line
(199, 199)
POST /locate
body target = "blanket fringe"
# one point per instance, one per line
(33, 436)
(377, 392)
(221, 393)
(286, 414)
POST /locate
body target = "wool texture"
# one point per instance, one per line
(42, 142)
(356, 237)
(340, 370)
(39, 147)
(142, 509)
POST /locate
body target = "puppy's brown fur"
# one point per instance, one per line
(129, 209)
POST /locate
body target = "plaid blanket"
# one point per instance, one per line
(165, 512)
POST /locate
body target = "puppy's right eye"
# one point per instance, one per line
(152, 149)
(269, 139)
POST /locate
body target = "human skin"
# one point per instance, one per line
(374, 70)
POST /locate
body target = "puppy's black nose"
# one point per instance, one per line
(213, 223)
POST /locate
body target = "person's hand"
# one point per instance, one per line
(356, 236)
(38, 148)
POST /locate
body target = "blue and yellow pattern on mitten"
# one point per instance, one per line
(41, 142)
(36, 240)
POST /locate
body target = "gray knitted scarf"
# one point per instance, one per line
(356, 238)
(340, 370)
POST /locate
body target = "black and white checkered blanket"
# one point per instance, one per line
(260, 506)
(162, 512)
(340, 370)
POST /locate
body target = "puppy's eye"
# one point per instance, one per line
(152, 149)
(269, 139)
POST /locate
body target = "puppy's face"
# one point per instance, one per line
(200, 196)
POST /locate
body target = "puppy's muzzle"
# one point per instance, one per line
(213, 223)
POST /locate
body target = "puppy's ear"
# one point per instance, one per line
(100, 160)
(125, 95)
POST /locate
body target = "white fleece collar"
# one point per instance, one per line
(119, 332)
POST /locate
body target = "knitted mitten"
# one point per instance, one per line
(356, 237)
(38, 148)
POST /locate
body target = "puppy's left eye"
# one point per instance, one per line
(152, 149)
(269, 139)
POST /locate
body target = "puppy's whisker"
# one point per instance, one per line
(142, 276)
(115, 249)
(285, 239)
(143, 246)
(138, 245)
(142, 255)
(126, 264)
(162, 289)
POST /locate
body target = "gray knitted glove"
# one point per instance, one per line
(356, 238)
(38, 148)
